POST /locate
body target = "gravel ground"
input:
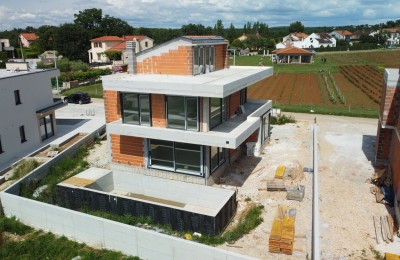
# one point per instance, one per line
(346, 152)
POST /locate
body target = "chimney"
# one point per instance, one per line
(130, 48)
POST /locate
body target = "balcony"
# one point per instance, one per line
(230, 134)
(218, 84)
(57, 103)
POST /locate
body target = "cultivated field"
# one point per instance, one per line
(349, 83)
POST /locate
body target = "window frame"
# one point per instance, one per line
(22, 134)
(223, 109)
(138, 99)
(46, 132)
(174, 168)
(17, 97)
(1, 146)
(221, 156)
(185, 104)
(203, 56)
(243, 96)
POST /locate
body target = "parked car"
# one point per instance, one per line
(78, 98)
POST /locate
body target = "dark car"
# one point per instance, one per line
(78, 98)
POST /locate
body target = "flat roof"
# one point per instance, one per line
(218, 84)
(8, 74)
(190, 197)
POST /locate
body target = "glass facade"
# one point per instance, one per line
(217, 111)
(177, 157)
(136, 109)
(217, 157)
(203, 59)
(183, 113)
(46, 127)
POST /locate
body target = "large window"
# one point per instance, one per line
(177, 157)
(183, 113)
(46, 127)
(22, 133)
(17, 97)
(135, 109)
(203, 59)
(217, 111)
(217, 155)
(243, 96)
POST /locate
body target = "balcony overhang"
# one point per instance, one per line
(217, 84)
(230, 134)
(58, 103)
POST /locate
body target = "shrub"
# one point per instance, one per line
(282, 119)
(12, 225)
(23, 168)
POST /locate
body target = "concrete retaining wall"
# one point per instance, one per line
(99, 232)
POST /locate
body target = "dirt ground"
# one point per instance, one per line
(346, 152)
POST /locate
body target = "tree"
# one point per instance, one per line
(113, 55)
(89, 19)
(219, 29)
(72, 41)
(238, 44)
(196, 29)
(232, 33)
(114, 26)
(45, 40)
(296, 27)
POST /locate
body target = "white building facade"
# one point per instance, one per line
(27, 116)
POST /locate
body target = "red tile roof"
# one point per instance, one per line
(292, 50)
(300, 35)
(119, 47)
(131, 37)
(391, 30)
(108, 39)
(343, 32)
(29, 36)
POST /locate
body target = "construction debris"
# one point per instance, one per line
(280, 172)
(276, 186)
(297, 172)
(281, 239)
(384, 227)
(296, 193)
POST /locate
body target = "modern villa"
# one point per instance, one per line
(182, 113)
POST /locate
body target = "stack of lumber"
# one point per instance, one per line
(384, 228)
(280, 171)
(282, 231)
(276, 186)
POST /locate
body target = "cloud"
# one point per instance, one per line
(175, 13)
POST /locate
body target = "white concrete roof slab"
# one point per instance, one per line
(230, 134)
(218, 84)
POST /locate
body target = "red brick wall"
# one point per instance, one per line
(234, 102)
(112, 107)
(253, 137)
(158, 110)
(390, 105)
(221, 57)
(127, 150)
(382, 147)
(395, 163)
(178, 62)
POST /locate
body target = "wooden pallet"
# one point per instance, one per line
(276, 186)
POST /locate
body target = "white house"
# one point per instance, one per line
(27, 116)
(341, 34)
(115, 43)
(318, 40)
(292, 40)
(27, 38)
(393, 35)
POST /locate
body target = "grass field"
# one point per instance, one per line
(350, 82)
(94, 90)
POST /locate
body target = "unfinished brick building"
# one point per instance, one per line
(182, 113)
(388, 135)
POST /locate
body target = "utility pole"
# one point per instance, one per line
(55, 66)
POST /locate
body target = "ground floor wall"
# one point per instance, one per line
(395, 169)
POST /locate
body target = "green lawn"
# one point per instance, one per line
(377, 58)
(94, 90)
(18, 241)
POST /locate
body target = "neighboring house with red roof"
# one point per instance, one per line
(341, 34)
(292, 55)
(115, 43)
(393, 35)
(27, 38)
(294, 39)
(318, 40)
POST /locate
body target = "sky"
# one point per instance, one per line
(175, 13)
